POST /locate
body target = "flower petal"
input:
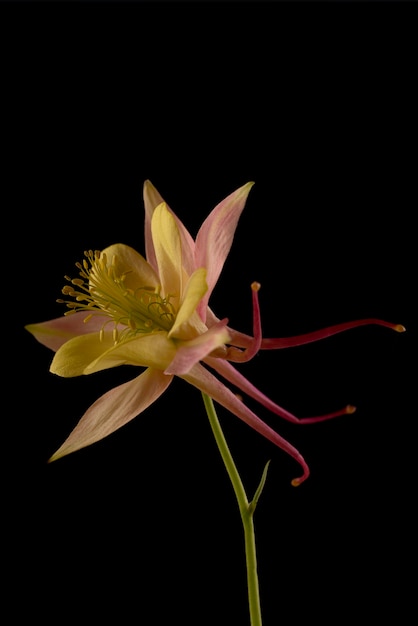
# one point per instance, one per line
(190, 352)
(88, 354)
(153, 350)
(228, 371)
(167, 243)
(54, 333)
(115, 409)
(215, 236)
(75, 355)
(186, 322)
(151, 200)
(125, 260)
(201, 378)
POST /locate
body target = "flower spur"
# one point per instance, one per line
(154, 313)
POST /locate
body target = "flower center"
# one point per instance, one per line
(100, 290)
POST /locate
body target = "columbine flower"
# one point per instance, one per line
(154, 313)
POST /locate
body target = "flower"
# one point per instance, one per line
(154, 313)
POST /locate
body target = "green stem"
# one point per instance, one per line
(246, 510)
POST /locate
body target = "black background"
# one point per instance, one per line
(316, 105)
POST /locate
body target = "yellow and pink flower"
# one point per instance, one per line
(154, 313)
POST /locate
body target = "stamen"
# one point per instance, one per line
(100, 290)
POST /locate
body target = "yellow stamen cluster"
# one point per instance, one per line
(100, 290)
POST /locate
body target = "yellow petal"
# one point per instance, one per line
(152, 199)
(153, 350)
(167, 244)
(188, 323)
(72, 358)
(88, 354)
(129, 262)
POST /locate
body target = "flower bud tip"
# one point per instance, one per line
(350, 408)
(399, 328)
(255, 286)
(296, 482)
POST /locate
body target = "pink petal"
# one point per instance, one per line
(54, 333)
(211, 319)
(115, 409)
(206, 382)
(193, 351)
(215, 236)
(236, 378)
